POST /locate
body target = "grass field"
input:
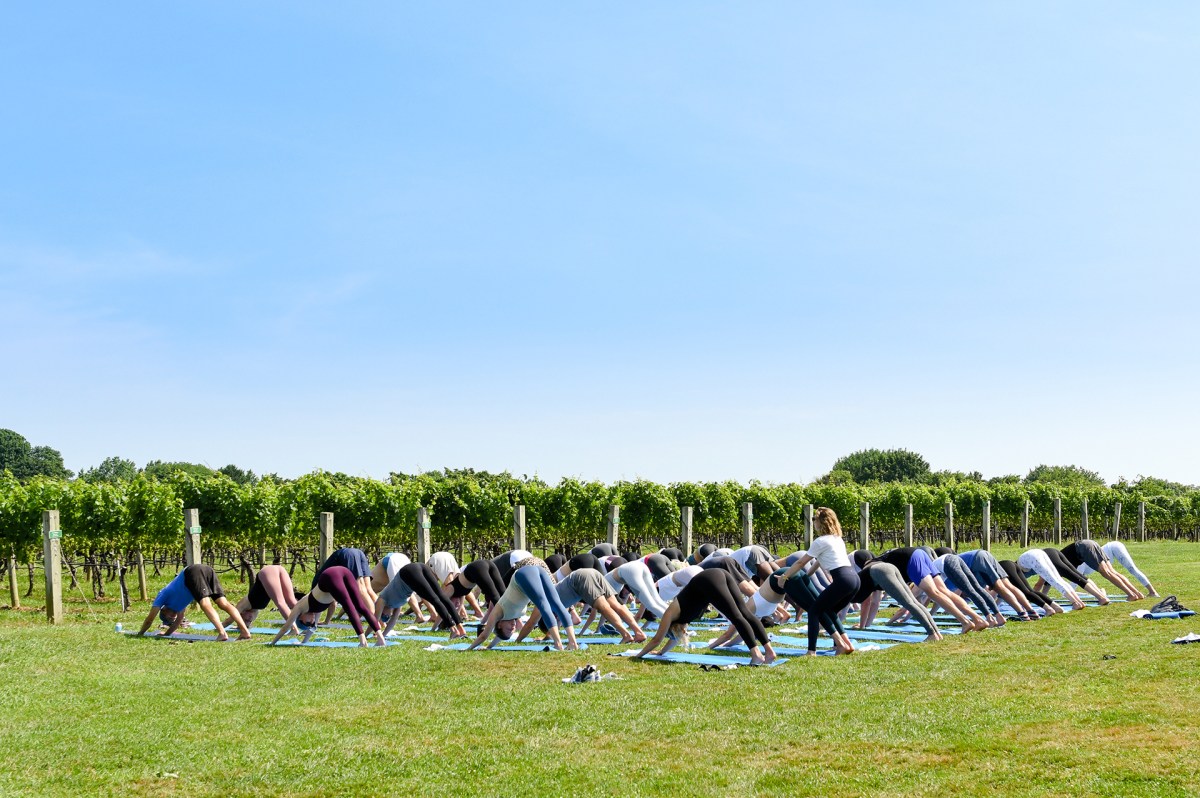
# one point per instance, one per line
(1028, 710)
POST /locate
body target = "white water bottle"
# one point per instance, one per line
(119, 627)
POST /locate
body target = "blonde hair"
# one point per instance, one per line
(825, 521)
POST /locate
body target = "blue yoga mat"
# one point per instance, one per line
(179, 636)
(702, 659)
(253, 630)
(798, 652)
(1156, 616)
(293, 643)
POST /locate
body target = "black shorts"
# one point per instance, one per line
(729, 565)
(201, 581)
(258, 597)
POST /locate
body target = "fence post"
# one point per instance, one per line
(1058, 522)
(1117, 521)
(614, 524)
(519, 527)
(52, 561)
(141, 575)
(424, 548)
(14, 591)
(1025, 526)
(262, 555)
(950, 524)
(1141, 522)
(685, 530)
(747, 524)
(808, 526)
(191, 546)
(1087, 535)
(985, 529)
(325, 543)
(864, 525)
(908, 525)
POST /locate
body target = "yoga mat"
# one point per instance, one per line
(254, 630)
(703, 659)
(323, 644)
(1155, 616)
(800, 652)
(519, 647)
(180, 636)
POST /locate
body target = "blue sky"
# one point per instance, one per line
(692, 241)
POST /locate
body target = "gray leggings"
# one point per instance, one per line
(956, 571)
(888, 579)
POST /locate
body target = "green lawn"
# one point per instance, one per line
(1028, 710)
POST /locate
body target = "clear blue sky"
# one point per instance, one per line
(689, 241)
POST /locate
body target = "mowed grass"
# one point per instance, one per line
(1028, 710)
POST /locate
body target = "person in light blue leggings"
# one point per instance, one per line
(531, 581)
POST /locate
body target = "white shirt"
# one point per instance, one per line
(829, 551)
(670, 585)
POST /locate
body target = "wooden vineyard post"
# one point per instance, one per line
(519, 527)
(950, 524)
(1116, 521)
(685, 529)
(1025, 526)
(808, 526)
(1141, 529)
(52, 560)
(1058, 522)
(864, 525)
(143, 590)
(614, 523)
(325, 543)
(14, 591)
(192, 554)
(908, 525)
(1086, 534)
(424, 547)
(747, 524)
(985, 529)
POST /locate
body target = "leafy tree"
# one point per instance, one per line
(238, 475)
(14, 454)
(160, 470)
(878, 465)
(1153, 486)
(25, 461)
(113, 469)
(1067, 476)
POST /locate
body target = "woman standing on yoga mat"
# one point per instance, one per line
(198, 583)
(531, 582)
(335, 585)
(827, 551)
(272, 583)
(917, 565)
(1089, 554)
(715, 588)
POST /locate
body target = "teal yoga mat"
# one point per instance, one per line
(703, 659)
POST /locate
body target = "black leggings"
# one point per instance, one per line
(843, 585)
(424, 582)
(659, 566)
(555, 561)
(801, 589)
(1013, 572)
(1064, 567)
(585, 560)
(673, 554)
(718, 588)
(485, 575)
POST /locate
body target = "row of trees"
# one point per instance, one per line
(472, 510)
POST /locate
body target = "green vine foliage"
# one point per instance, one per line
(473, 511)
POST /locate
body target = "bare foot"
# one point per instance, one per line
(243, 637)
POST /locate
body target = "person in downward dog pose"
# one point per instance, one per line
(271, 584)
(878, 577)
(198, 583)
(959, 578)
(589, 586)
(986, 569)
(917, 565)
(827, 551)
(355, 561)
(766, 603)
(716, 588)
(1115, 550)
(1018, 581)
(1089, 553)
(637, 578)
(531, 582)
(1068, 572)
(481, 574)
(419, 579)
(335, 585)
(1036, 561)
